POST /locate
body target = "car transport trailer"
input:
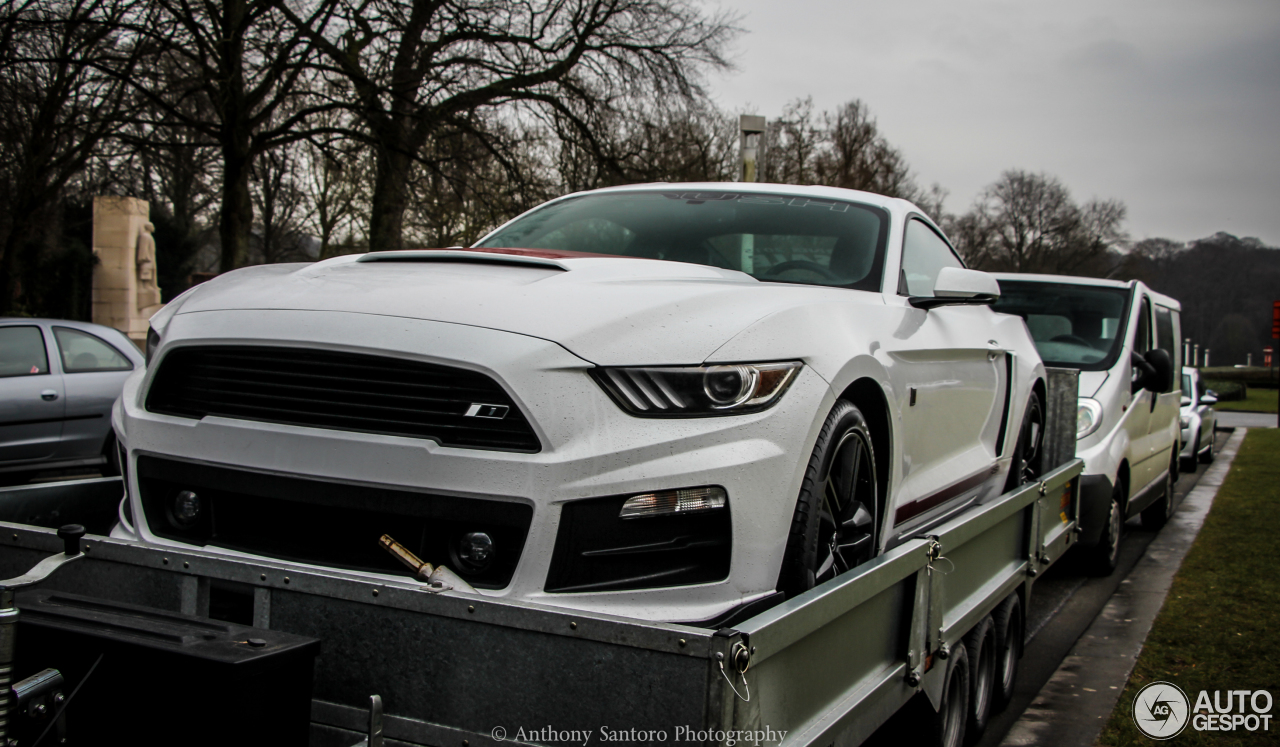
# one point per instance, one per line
(934, 625)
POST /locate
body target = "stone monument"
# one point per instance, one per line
(125, 293)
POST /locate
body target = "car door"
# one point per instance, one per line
(1138, 416)
(1165, 405)
(93, 373)
(31, 396)
(949, 376)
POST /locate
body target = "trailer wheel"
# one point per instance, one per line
(981, 645)
(1008, 628)
(1157, 514)
(834, 526)
(947, 729)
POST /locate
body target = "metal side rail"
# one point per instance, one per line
(450, 667)
(833, 664)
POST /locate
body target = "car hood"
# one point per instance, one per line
(609, 311)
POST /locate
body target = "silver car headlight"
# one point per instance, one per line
(697, 391)
(1088, 416)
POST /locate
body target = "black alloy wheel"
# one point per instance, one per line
(1026, 466)
(835, 523)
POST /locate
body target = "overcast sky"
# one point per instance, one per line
(1172, 106)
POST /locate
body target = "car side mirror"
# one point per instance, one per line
(1186, 400)
(1210, 397)
(959, 286)
(1153, 371)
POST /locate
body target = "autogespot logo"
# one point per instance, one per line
(1160, 710)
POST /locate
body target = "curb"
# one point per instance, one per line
(1073, 706)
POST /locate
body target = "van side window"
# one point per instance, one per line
(1142, 337)
(1166, 337)
(924, 254)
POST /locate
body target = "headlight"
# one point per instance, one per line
(697, 391)
(1088, 416)
(153, 342)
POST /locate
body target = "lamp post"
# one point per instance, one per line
(750, 132)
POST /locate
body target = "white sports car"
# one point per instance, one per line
(675, 402)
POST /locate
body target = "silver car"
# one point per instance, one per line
(58, 380)
(1198, 420)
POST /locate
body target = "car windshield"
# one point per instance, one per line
(1074, 326)
(780, 238)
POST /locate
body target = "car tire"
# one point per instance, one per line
(1188, 463)
(1106, 554)
(1025, 466)
(1157, 514)
(1008, 628)
(1206, 456)
(834, 528)
(981, 646)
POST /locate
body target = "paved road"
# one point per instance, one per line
(1228, 419)
(1063, 604)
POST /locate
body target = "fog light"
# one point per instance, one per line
(475, 551)
(666, 502)
(185, 509)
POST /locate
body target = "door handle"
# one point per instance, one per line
(48, 395)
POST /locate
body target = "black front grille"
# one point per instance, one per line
(341, 391)
(329, 524)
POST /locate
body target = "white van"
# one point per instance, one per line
(1123, 337)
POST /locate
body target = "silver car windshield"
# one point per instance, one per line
(777, 238)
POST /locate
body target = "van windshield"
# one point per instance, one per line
(1074, 326)
(778, 238)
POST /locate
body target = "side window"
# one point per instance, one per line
(84, 353)
(1167, 335)
(1142, 337)
(22, 352)
(924, 254)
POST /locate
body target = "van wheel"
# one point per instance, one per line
(834, 526)
(981, 646)
(1008, 629)
(1107, 553)
(1157, 514)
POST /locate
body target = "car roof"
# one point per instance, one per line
(829, 193)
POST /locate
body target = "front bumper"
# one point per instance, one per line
(591, 449)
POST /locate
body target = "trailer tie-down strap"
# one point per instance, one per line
(743, 675)
(935, 555)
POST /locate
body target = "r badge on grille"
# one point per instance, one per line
(494, 412)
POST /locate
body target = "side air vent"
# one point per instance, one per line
(340, 391)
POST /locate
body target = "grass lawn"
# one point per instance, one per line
(1220, 625)
(1257, 400)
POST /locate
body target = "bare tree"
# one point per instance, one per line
(424, 69)
(235, 72)
(1027, 222)
(60, 97)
